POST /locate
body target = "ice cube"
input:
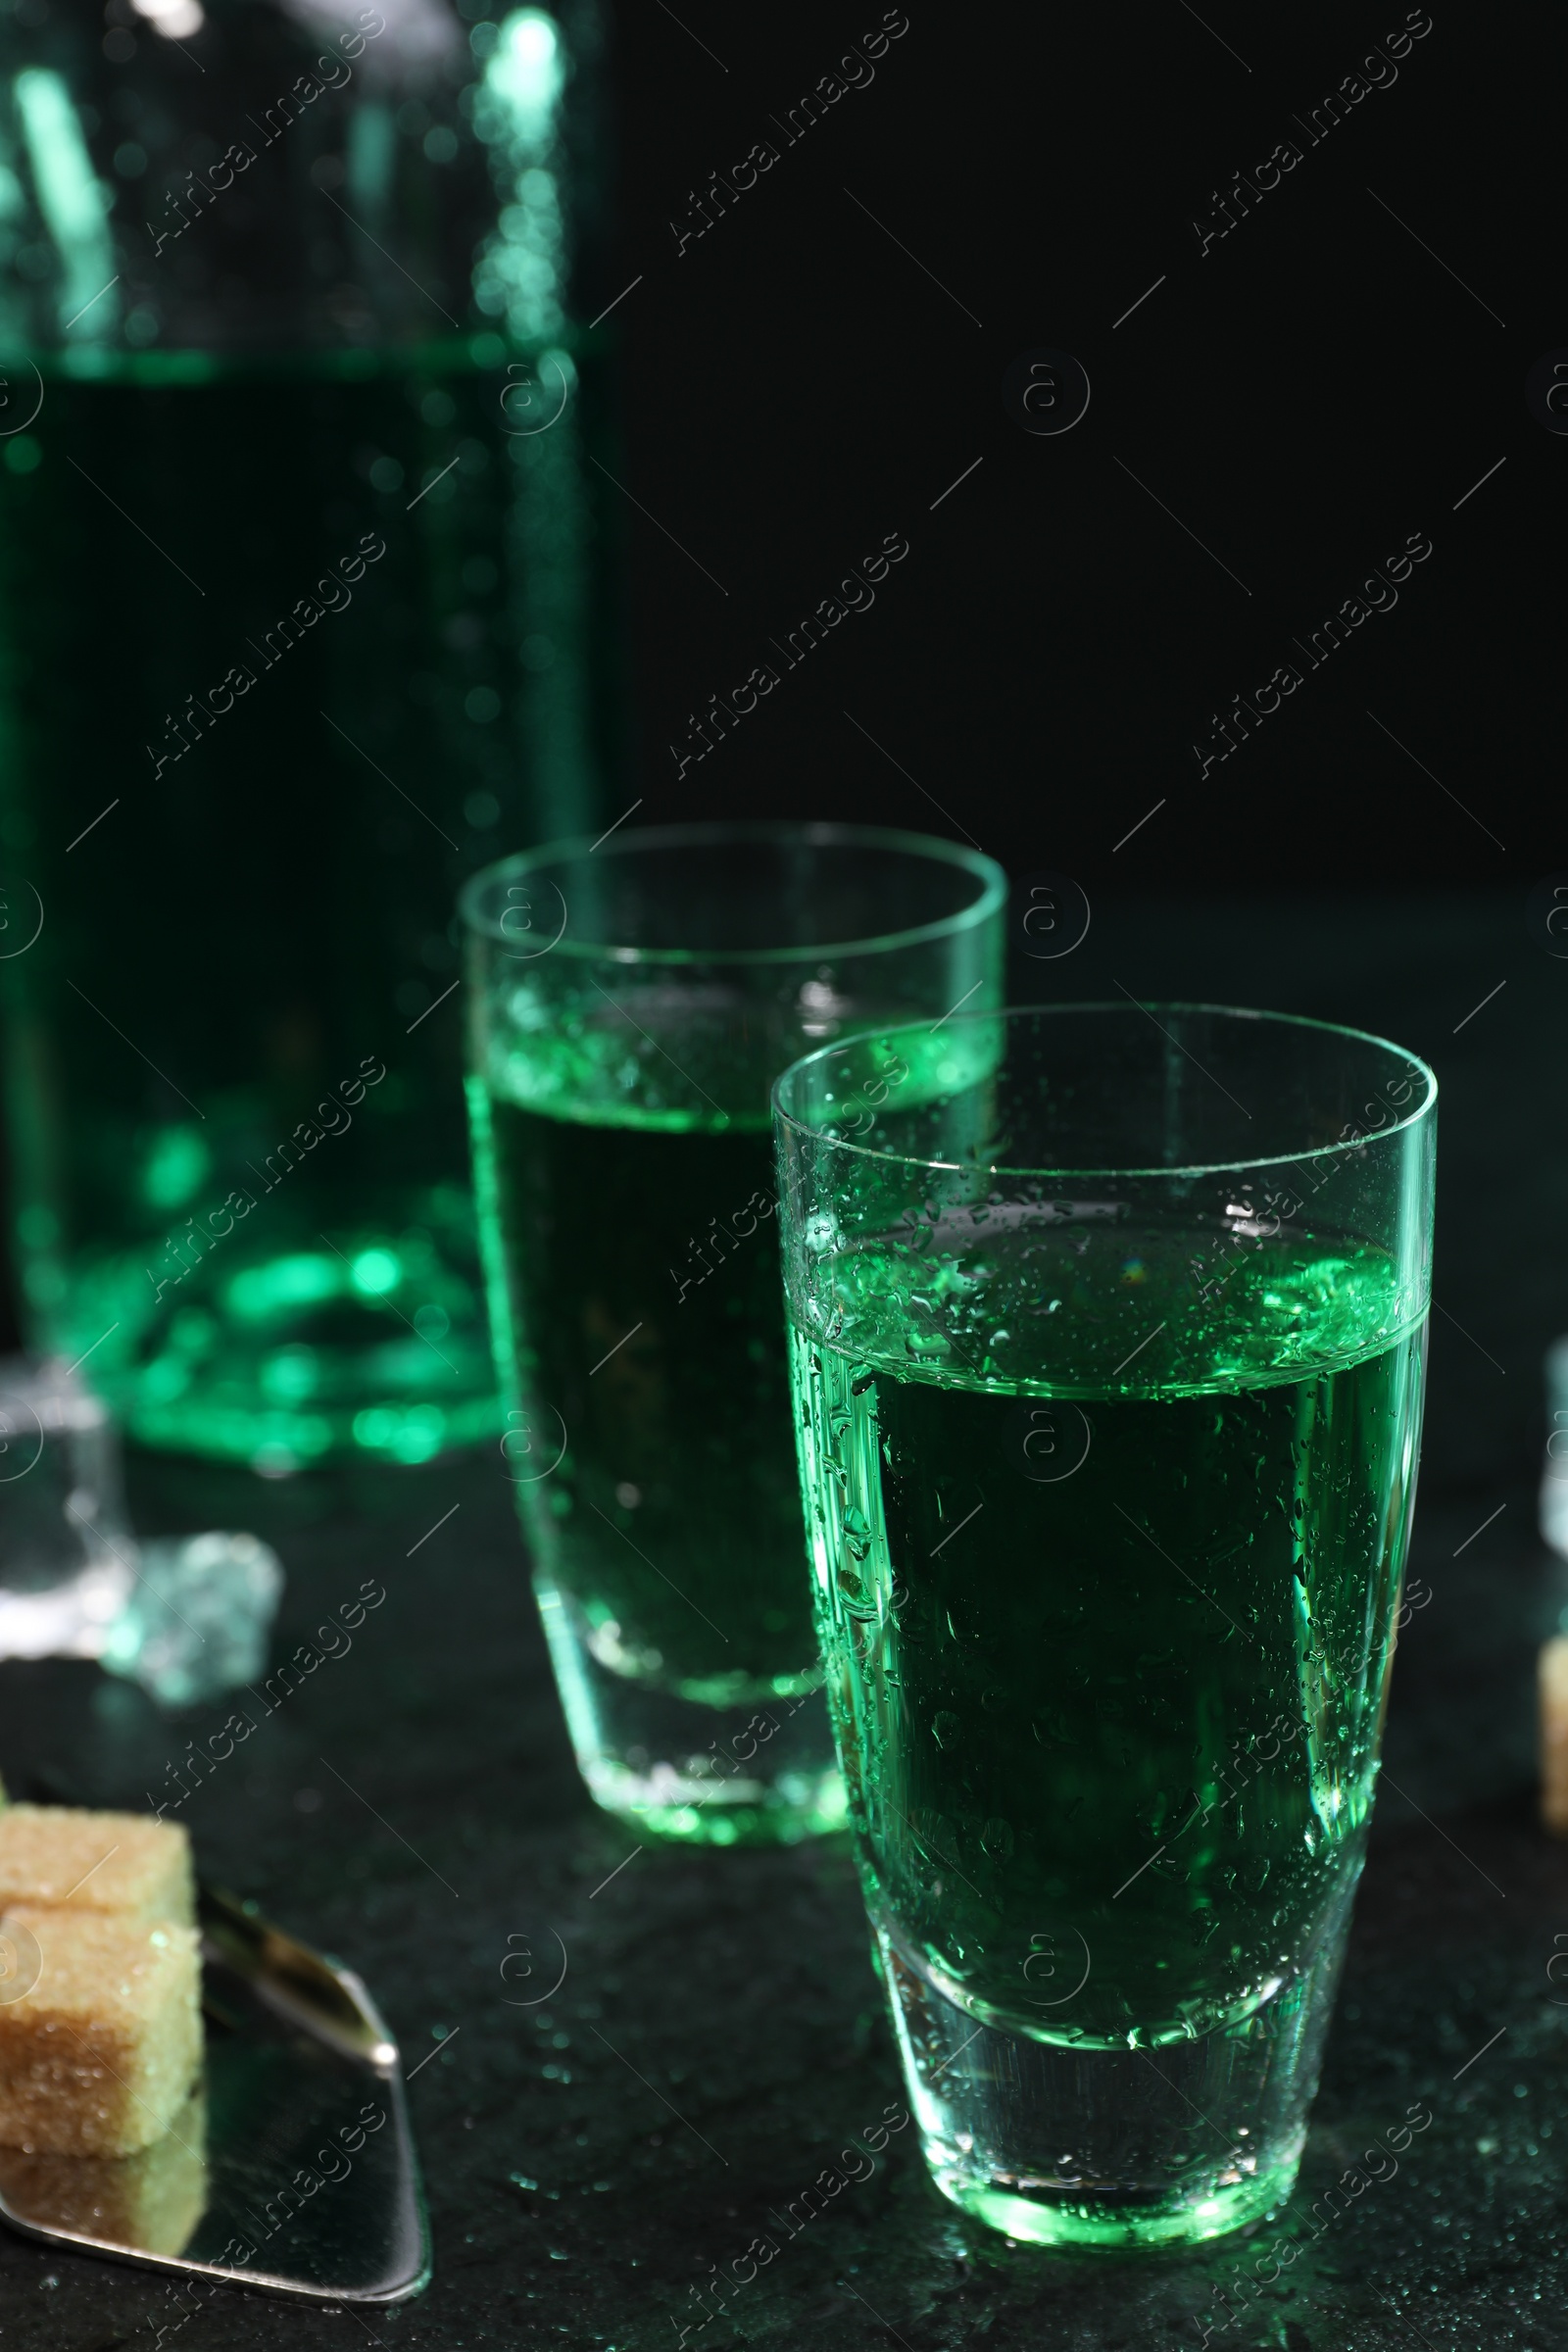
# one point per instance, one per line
(198, 1618)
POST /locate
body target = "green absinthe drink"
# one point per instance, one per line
(1109, 1463)
(632, 1003)
(304, 611)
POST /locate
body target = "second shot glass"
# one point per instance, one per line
(631, 1003)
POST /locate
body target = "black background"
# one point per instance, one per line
(1304, 396)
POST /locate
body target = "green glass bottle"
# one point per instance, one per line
(306, 610)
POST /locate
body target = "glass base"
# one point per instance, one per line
(1094, 2219)
(305, 1339)
(759, 1771)
(1112, 2147)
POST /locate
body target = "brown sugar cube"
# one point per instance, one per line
(150, 2202)
(1554, 1685)
(99, 2051)
(120, 1862)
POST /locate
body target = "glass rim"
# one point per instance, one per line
(991, 894)
(787, 1118)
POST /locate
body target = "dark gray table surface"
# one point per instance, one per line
(718, 2034)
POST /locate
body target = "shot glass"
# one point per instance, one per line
(631, 1003)
(1107, 1334)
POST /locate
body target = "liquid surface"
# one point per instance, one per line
(1108, 1658)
